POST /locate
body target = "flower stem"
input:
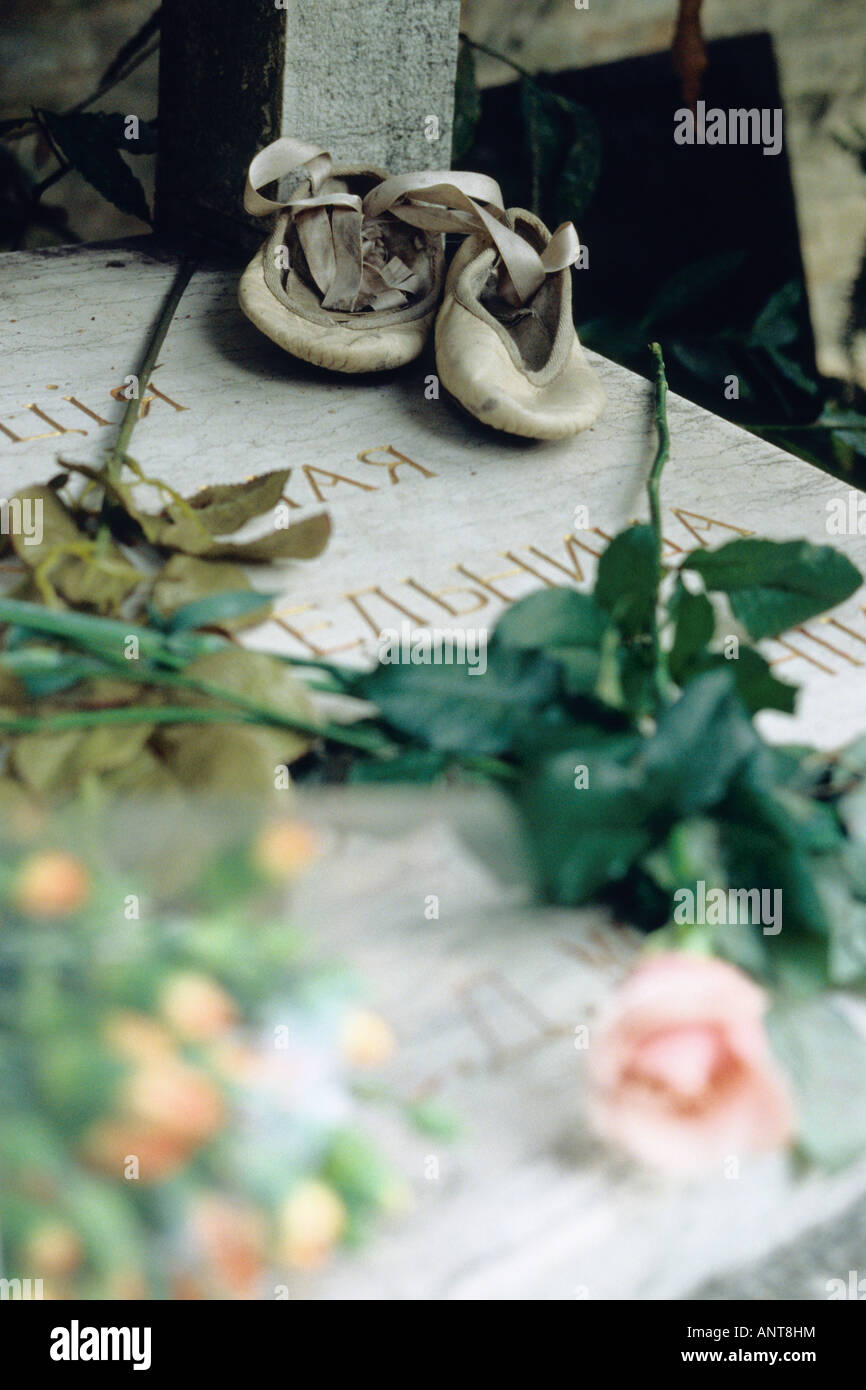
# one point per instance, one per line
(660, 420)
(115, 458)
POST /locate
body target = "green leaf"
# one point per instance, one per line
(700, 743)
(584, 838)
(695, 625)
(691, 284)
(566, 626)
(847, 923)
(430, 1117)
(578, 177)
(628, 578)
(773, 585)
(455, 709)
(46, 671)
(467, 105)
(825, 1060)
(757, 687)
(855, 438)
(790, 369)
(88, 139)
(777, 324)
(193, 593)
(564, 148)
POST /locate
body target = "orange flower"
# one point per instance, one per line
(231, 1237)
(110, 1144)
(54, 884)
(53, 1250)
(284, 848)
(311, 1221)
(175, 1099)
(126, 1284)
(136, 1036)
(197, 1008)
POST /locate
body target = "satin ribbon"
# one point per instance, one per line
(344, 237)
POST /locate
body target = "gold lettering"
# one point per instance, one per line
(300, 635)
(355, 599)
(436, 597)
(681, 515)
(87, 411)
(834, 622)
(308, 470)
(162, 396)
(118, 393)
(509, 555)
(393, 464)
(51, 434)
(487, 581)
(795, 652)
(575, 572)
(830, 648)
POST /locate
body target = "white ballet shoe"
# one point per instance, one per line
(333, 285)
(514, 360)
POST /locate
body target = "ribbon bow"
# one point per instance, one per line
(344, 237)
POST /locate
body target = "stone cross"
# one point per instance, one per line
(372, 82)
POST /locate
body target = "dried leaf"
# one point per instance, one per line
(188, 534)
(60, 762)
(225, 507)
(186, 583)
(66, 561)
(241, 759)
(262, 679)
(88, 139)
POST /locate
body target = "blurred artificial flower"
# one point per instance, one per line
(109, 1144)
(283, 848)
(229, 1236)
(197, 1008)
(53, 1250)
(53, 884)
(366, 1039)
(137, 1036)
(680, 1069)
(311, 1221)
(175, 1099)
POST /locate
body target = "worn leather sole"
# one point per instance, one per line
(475, 367)
(340, 347)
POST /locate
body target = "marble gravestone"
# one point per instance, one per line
(438, 522)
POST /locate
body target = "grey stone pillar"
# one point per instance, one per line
(370, 80)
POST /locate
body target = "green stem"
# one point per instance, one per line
(125, 714)
(243, 713)
(115, 459)
(660, 420)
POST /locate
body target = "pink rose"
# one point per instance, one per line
(680, 1069)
